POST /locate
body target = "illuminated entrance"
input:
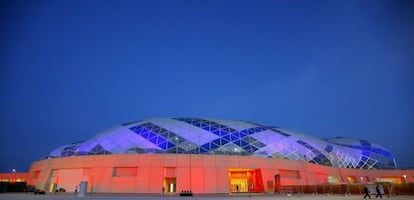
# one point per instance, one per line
(169, 185)
(245, 180)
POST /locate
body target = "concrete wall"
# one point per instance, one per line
(145, 173)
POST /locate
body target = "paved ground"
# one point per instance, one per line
(22, 196)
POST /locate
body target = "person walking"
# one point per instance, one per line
(366, 191)
(378, 192)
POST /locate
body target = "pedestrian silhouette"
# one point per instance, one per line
(378, 192)
(366, 191)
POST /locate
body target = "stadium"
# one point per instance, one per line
(209, 156)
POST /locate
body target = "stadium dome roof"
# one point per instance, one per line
(229, 137)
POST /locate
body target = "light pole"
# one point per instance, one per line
(13, 178)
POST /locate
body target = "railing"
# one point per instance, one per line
(346, 189)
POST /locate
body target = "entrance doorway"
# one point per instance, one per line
(238, 185)
(245, 180)
(277, 183)
(169, 185)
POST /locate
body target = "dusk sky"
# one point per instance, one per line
(71, 69)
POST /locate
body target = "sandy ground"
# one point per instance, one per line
(21, 196)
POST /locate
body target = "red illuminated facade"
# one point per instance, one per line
(207, 174)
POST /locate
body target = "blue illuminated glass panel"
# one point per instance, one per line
(328, 148)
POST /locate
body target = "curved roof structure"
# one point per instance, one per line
(229, 137)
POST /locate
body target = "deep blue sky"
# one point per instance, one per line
(70, 69)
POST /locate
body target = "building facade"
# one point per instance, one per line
(170, 155)
(173, 173)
